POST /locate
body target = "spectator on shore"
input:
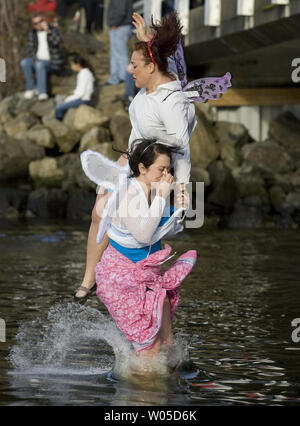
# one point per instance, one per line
(84, 88)
(46, 7)
(44, 56)
(90, 8)
(61, 8)
(119, 17)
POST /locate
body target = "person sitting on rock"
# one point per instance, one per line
(44, 56)
(84, 88)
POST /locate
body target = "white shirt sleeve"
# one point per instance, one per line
(174, 113)
(141, 220)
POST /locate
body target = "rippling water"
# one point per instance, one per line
(233, 325)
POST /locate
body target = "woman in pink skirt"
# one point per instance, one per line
(130, 282)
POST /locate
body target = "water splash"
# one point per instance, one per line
(74, 339)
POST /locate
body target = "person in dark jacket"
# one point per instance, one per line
(119, 17)
(44, 56)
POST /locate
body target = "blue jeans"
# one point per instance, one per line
(130, 89)
(61, 109)
(119, 53)
(41, 69)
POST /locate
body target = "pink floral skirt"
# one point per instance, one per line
(134, 293)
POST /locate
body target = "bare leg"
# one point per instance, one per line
(165, 334)
(94, 250)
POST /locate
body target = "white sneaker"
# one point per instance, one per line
(29, 94)
(43, 97)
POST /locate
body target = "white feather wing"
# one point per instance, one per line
(100, 170)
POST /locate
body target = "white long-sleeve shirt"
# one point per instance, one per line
(84, 87)
(136, 224)
(166, 115)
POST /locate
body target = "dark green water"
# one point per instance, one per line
(234, 315)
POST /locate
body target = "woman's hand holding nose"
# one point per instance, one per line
(165, 185)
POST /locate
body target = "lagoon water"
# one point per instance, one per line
(233, 325)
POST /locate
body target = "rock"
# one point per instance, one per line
(93, 137)
(23, 105)
(120, 127)
(112, 108)
(206, 109)
(200, 175)
(293, 199)
(80, 204)
(108, 95)
(203, 145)
(41, 136)
(45, 173)
(286, 129)
(69, 118)
(41, 109)
(87, 117)
(66, 138)
(15, 157)
(47, 203)
(5, 117)
(224, 192)
(278, 198)
(245, 217)
(106, 149)
(12, 202)
(231, 138)
(48, 118)
(7, 105)
(268, 157)
(20, 124)
(252, 187)
(295, 178)
(74, 176)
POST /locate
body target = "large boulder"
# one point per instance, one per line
(74, 176)
(267, 157)
(41, 136)
(40, 109)
(47, 203)
(286, 129)
(120, 127)
(15, 156)
(12, 202)
(80, 204)
(87, 117)
(245, 217)
(224, 190)
(20, 124)
(45, 173)
(108, 95)
(93, 137)
(231, 138)
(203, 144)
(8, 104)
(200, 175)
(106, 149)
(66, 138)
(251, 187)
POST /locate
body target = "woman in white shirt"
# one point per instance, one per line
(84, 87)
(141, 299)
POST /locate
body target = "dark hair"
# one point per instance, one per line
(80, 60)
(168, 34)
(146, 151)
